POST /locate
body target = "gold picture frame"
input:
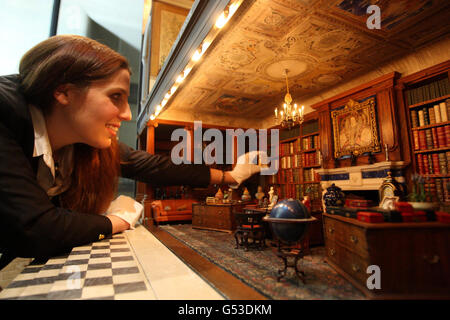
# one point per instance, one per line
(355, 129)
(167, 20)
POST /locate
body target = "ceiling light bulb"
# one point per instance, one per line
(233, 9)
(221, 21)
(205, 46)
(186, 71)
(152, 117)
(197, 55)
(180, 79)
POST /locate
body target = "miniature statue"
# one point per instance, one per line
(230, 194)
(260, 194)
(219, 195)
(226, 197)
(307, 202)
(265, 202)
(246, 195)
(271, 193)
(273, 202)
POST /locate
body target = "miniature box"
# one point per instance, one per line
(371, 217)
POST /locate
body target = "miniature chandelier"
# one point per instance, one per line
(290, 115)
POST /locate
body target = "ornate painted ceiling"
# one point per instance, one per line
(321, 42)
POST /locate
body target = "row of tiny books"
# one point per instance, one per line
(308, 143)
(436, 190)
(432, 138)
(300, 160)
(429, 91)
(437, 113)
(435, 163)
(293, 176)
(298, 191)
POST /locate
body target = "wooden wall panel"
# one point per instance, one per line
(387, 119)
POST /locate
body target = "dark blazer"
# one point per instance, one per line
(30, 224)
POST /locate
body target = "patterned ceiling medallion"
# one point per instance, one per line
(297, 66)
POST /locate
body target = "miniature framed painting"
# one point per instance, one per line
(355, 129)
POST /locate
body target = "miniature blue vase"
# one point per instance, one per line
(334, 197)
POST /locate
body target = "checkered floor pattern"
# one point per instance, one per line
(102, 270)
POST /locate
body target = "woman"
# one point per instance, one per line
(59, 156)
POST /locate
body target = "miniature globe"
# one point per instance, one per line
(289, 209)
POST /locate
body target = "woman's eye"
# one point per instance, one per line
(116, 96)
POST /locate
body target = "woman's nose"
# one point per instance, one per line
(125, 114)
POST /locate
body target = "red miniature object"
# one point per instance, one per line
(407, 216)
(419, 216)
(358, 203)
(307, 202)
(403, 207)
(443, 217)
(370, 217)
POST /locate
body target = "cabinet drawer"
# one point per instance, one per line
(348, 261)
(350, 236)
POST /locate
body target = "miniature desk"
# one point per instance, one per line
(218, 217)
(130, 265)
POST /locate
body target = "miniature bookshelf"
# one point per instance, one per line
(299, 160)
(427, 99)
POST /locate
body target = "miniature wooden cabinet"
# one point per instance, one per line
(219, 217)
(414, 258)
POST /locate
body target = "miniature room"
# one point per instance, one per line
(347, 107)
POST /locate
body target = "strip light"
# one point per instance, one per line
(221, 21)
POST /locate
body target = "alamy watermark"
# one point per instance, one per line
(213, 153)
(374, 20)
(374, 281)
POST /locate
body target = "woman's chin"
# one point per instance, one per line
(103, 144)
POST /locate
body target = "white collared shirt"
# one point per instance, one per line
(53, 179)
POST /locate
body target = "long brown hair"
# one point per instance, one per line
(78, 60)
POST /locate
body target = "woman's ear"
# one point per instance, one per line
(61, 94)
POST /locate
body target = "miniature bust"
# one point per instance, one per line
(260, 194)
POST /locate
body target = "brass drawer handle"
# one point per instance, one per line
(355, 267)
(330, 230)
(332, 252)
(433, 260)
(353, 239)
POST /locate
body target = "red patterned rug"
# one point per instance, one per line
(259, 269)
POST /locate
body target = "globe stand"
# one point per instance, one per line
(289, 251)
(290, 255)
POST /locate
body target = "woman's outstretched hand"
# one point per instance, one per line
(247, 165)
